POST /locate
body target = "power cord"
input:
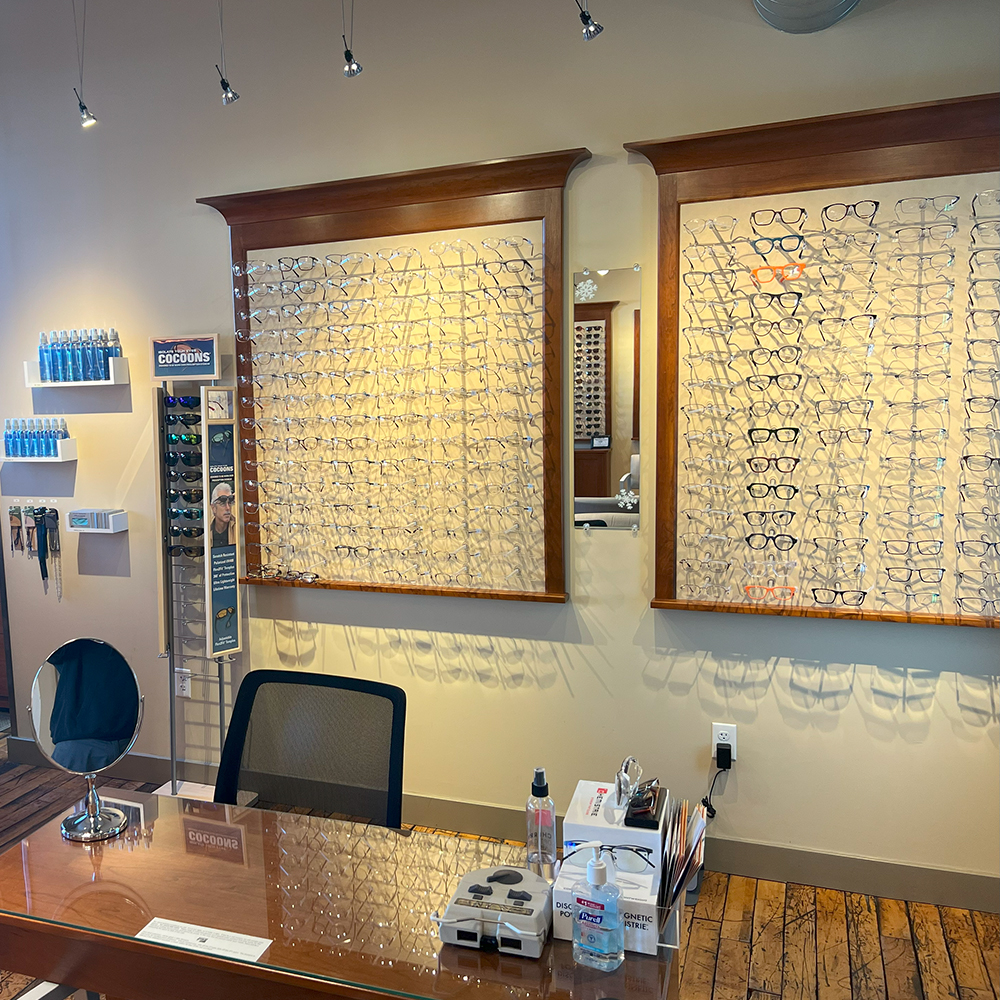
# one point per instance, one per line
(707, 800)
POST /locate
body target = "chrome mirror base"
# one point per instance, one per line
(96, 822)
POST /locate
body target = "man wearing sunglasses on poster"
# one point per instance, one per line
(223, 515)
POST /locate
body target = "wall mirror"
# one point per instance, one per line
(605, 344)
(86, 711)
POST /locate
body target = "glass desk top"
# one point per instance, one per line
(341, 901)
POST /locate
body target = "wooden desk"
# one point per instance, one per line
(347, 908)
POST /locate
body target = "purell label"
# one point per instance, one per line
(591, 918)
(589, 903)
(596, 802)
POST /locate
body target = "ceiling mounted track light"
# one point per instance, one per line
(351, 66)
(228, 94)
(86, 118)
(591, 29)
(80, 29)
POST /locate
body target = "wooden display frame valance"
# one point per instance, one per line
(517, 189)
(937, 139)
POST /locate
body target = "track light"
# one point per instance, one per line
(86, 118)
(228, 94)
(351, 66)
(591, 29)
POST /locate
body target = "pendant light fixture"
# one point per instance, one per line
(351, 66)
(591, 29)
(80, 30)
(228, 94)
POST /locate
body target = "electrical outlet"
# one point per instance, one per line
(182, 682)
(724, 732)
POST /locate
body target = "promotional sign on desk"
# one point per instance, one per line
(221, 522)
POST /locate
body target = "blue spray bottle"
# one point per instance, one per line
(44, 363)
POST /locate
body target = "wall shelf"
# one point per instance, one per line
(66, 452)
(118, 370)
(117, 522)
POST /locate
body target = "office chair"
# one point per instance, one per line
(333, 745)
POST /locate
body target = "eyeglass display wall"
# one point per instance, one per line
(591, 372)
(399, 380)
(396, 395)
(828, 368)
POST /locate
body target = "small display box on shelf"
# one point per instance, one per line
(97, 520)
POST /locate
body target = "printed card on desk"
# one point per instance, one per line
(211, 940)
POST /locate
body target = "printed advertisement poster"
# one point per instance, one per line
(185, 358)
(222, 529)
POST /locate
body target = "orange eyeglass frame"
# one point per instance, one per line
(781, 272)
(787, 593)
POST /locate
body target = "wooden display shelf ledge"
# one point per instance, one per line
(545, 597)
(674, 604)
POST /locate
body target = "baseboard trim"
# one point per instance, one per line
(733, 857)
(133, 767)
(835, 871)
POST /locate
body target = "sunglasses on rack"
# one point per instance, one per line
(187, 402)
(190, 458)
(176, 476)
(189, 496)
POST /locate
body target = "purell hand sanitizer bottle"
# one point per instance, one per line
(598, 931)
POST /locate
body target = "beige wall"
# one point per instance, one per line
(867, 739)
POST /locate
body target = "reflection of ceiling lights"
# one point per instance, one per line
(585, 290)
(604, 272)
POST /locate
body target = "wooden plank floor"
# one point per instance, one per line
(750, 939)
(746, 939)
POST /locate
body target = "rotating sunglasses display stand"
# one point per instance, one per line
(202, 619)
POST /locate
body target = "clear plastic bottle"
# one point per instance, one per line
(102, 354)
(89, 339)
(63, 432)
(598, 931)
(44, 359)
(57, 353)
(114, 344)
(75, 357)
(541, 819)
(34, 440)
(50, 450)
(8, 438)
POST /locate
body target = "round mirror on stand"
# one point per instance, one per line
(85, 711)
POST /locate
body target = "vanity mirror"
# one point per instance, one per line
(605, 343)
(85, 711)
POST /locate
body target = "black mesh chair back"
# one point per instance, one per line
(333, 745)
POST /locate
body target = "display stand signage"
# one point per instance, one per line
(182, 358)
(224, 627)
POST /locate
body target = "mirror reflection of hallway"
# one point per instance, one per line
(605, 397)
